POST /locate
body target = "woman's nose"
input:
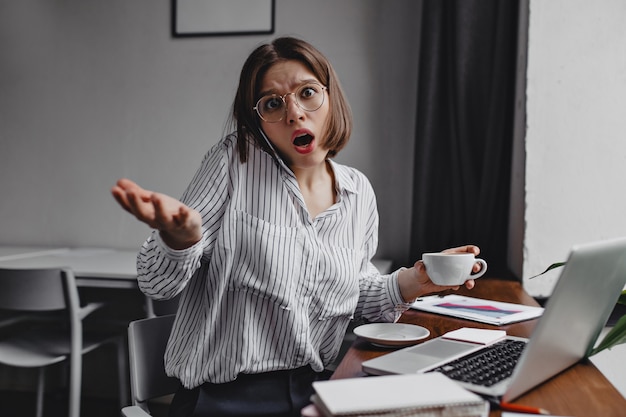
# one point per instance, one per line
(294, 112)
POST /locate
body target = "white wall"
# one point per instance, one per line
(576, 119)
(94, 90)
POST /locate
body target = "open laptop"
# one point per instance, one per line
(583, 298)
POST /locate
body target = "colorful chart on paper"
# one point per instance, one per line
(487, 310)
(476, 309)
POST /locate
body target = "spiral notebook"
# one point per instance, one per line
(415, 395)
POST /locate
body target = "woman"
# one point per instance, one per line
(270, 246)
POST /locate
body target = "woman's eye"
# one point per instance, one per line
(272, 103)
(308, 92)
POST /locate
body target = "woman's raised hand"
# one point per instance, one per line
(180, 226)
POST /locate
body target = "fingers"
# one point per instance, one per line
(170, 213)
(142, 209)
(134, 199)
(180, 218)
(473, 249)
(179, 224)
(119, 193)
(185, 218)
(125, 183)
(464, 249)
(120, 196)
(161, 217)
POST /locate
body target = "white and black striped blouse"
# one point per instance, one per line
(267, 287)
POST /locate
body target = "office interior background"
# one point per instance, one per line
(93, 90)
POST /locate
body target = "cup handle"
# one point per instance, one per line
(482, 271)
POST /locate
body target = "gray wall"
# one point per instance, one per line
(94, 90)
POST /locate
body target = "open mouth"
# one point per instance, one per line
(303, 140)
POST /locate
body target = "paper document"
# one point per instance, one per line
(478, 336)
(476, 309)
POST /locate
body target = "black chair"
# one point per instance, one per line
(147, 339)
(42, 325)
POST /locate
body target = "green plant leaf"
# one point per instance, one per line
(616, 336)
(554, 265)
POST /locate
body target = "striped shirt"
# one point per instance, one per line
(267, 287)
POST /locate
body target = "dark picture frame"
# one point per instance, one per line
(197, 18)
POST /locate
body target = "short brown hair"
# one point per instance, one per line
(244, 117)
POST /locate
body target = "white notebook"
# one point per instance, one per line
(414, 395)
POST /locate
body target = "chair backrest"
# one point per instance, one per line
(164, 307)
(37, 289)
(147, 339)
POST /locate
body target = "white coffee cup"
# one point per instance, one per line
(452, 268)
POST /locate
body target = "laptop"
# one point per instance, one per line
(577, 311)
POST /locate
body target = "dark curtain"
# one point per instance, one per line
(464, 129)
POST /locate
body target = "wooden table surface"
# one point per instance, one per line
(580, 391)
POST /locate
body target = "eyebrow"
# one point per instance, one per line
(300, 84)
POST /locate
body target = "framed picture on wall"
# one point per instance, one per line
(194, 18)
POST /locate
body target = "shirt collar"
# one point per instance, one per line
(343, 181)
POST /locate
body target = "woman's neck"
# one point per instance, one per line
(317, 186)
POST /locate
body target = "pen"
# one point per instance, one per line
(522, 408)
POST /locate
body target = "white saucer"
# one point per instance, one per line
(392, 334)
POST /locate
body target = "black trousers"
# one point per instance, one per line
(270, 394)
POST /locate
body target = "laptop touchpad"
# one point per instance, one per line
(438, 350)
(418, 358)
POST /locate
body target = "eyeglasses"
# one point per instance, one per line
(272, 107)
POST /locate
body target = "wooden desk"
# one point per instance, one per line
(580, 391)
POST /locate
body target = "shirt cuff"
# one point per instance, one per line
(178, 255)
(394, 291)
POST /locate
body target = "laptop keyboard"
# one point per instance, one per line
(487, 366)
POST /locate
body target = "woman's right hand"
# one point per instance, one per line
(179, 225)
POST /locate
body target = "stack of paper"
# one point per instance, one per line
(414, 395)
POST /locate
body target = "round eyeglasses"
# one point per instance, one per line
(273, 107)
